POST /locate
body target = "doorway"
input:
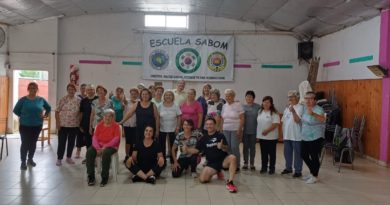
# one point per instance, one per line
(21, 79)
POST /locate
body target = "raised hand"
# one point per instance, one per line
(220, 144)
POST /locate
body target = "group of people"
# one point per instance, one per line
(161, 124)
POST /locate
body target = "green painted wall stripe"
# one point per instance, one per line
(131, 63)
(276, 66)
(361, 59)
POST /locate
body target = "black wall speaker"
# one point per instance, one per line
(305, 50)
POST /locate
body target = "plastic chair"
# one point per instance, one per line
(114, 165)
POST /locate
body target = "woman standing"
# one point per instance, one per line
(203, 100)
(233, 123)
(31, 110)
(313, 129)
(85, 111)
(106, 139)
(119, 102)
(146, 114)
(249, 139)
(292, 134)
(267, 131)
(147, 160)
(170, 118)
(67, 119)
(214, 107)
(191, 109)
(98, 107)
(130, 124)
(157, 99)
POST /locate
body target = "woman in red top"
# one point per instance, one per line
(105, 142)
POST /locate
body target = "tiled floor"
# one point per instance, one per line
(49, 184)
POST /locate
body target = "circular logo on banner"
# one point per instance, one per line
(188, 60)
(216, 61)
(159, 59)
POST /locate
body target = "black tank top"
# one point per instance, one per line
(145, 116)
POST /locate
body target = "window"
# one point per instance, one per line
(166, 21)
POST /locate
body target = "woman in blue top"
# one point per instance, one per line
(31, 110)
(313, 130)
(119, 102)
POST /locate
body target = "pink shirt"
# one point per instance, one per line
(106, 136)
(191, 111)
(231, 116)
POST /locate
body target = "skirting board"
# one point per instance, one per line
(376, 161)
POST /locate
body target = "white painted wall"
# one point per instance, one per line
(31, 47)
(114, 37)
(359, 40)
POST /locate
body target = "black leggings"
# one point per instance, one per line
(131, 138)
(163, 142)
(66, 134)
(135, 168)
(184, 163)
(310, 153)
(29, 137)
(268, 149)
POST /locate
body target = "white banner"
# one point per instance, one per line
(188, 57)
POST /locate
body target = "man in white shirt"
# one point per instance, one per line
(180, 94)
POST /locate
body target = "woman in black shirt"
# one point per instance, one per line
(146, 114)
(147, 161)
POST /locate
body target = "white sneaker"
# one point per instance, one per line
(59, 162)
(307, 177)
(194, 175)
(311, 180)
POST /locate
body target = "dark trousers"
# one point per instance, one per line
(310, 153)
(184, 163)
(268, 151)
(29, 137)
(80, 141)
(106, 161)
(66, 134)
(135, 168)
(163, 142)
(249, 149)
(131, 138)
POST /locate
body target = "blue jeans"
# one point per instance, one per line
(292, 150)
(233, 144)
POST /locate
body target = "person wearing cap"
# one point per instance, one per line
(292, 134)
(313, 131)
(67, 121)
(180, 94)
(140, 87)
(105, 143)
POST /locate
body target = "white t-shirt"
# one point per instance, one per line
(231, 116)
(264, 121)
(131, 122)
(180, 97)
(291, 129)
(168, 117)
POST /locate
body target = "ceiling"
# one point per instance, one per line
(305, 18)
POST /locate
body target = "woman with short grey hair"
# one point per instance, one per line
(233, 123)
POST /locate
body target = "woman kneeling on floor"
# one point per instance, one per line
(184, 153)
(105, 143)
(147, 161)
